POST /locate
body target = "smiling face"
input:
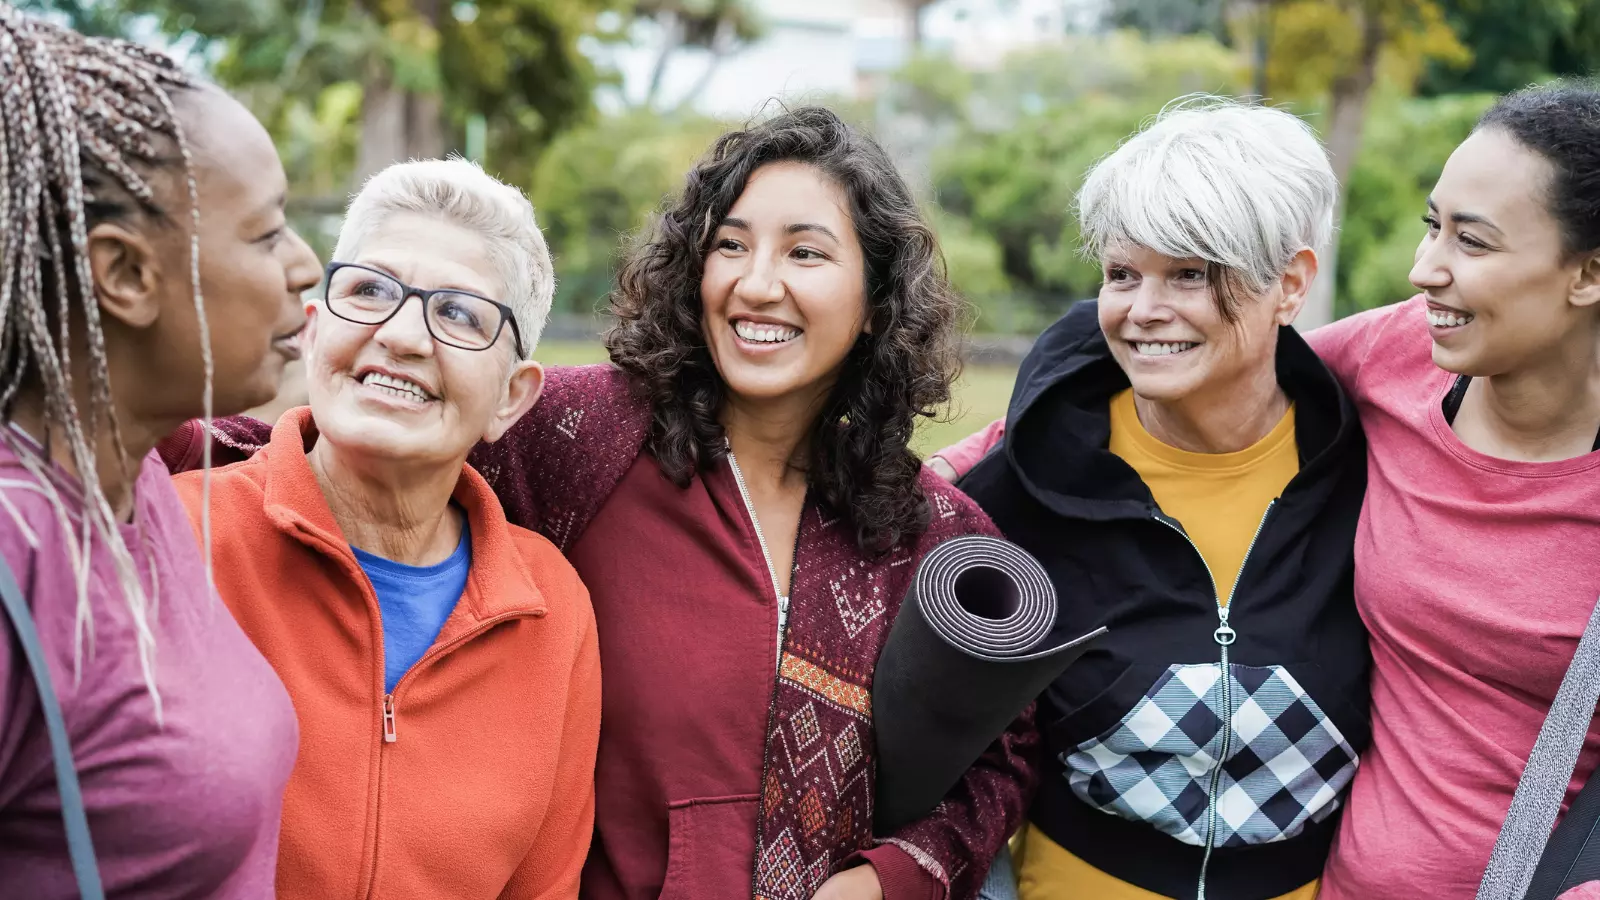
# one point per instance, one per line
(783, 291)
(1165, 328)
(1499, 287)
(391, 391)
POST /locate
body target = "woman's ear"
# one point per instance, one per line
(127, 274)
(1296, 286)
(522, 391)
(1586, 285)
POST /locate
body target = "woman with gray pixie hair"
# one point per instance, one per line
(1191, 475)
(443, 662)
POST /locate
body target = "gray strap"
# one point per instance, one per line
(1544, 781)
(79, 846)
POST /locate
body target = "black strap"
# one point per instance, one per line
(1572, 857)
(1452, 404)
(79, 845)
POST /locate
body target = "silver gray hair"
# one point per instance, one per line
(1242, 186)
(459, 191)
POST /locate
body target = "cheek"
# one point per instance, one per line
(1114, 305)
(716, 283)
(835, 307)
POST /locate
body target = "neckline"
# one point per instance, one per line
(1519, 468)
(1125, 412)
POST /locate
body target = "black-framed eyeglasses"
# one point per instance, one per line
(370, 296)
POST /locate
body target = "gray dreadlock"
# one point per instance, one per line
(81, 120)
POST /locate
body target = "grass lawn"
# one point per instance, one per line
(980, 396)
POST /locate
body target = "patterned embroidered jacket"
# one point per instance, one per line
(553, 472)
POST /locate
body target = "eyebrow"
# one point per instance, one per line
(1466, 218)
(801, 227)
(277, 202)
(797, 228)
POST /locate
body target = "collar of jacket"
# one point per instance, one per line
(1060, 419)
(497, 586)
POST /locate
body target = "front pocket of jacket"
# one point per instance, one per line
(1283, 763)
(710, 848)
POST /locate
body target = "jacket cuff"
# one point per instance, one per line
(182, 449)
(900, 876)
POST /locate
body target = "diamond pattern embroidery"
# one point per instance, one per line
(1287, 762)
(848, 746)
(806, 729)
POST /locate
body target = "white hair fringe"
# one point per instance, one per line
(1232, 182)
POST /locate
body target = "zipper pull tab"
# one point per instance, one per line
(1224, 634)
(388, 719)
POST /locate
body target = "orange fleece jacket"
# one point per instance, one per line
(479, 783)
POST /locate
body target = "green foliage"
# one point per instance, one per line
(1516, 42)
(1026, 135)
(1407, 143)
(597, 184)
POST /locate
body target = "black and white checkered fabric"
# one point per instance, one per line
(1286, 761)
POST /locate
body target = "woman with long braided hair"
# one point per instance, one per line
(147, 276)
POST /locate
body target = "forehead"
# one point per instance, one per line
(236, 165)
(787, 193)
(1492, 175)
(1127, 253)
(429, 252)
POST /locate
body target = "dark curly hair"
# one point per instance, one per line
(859, 464)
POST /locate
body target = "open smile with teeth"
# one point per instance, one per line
(1439, 318)
(758, 333)
(1163, 348)
(399, 387)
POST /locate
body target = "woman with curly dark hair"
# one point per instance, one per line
(738, 493)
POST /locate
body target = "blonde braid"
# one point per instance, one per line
(81, 120)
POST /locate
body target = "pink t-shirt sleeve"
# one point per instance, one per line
(1344, 345)
(965, 453)
(1589, 891)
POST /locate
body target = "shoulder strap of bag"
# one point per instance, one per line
(1537, 801)
(79, 845)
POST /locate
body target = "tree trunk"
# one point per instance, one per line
(1263, 49)
(722, 44)
(383, 126)
(1347, 115)
(671, 38)
(425, 126)
(914, 22)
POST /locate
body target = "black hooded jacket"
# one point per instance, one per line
(1132, 730)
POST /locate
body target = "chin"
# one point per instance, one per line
(1454, 361)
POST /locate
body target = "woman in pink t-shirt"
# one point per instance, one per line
(1475, 563)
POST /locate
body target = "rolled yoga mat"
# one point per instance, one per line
(969, 650)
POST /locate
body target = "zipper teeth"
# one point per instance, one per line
(390, 731)
(766, 554)
(1226, 678)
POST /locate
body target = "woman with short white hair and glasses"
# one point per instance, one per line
(1191, 475)
(442, 661)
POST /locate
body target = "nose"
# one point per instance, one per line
(759, 284)
(406, 333)
(1149, 304)
(1430, 269)
(304, 271)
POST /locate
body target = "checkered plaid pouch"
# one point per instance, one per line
(1286, 762)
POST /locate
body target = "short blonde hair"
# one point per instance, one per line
(459, 191)
(1237, 184)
